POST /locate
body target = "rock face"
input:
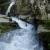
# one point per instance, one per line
(23, 6)
(29, 6)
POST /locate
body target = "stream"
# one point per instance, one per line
(24, 38)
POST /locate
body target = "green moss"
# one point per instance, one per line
(49, 45)
(46, 23)
(6, 26)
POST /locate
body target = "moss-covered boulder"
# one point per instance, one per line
(6, 27)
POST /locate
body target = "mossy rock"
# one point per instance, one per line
(46, 24)
(24, 9)
(6, 26)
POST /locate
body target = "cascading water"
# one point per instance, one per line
(20, 39)
(8, 10)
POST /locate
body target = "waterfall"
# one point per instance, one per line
(12, 0)
(9, 8)
(22, 24)
(20, 39)
(24, 38)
